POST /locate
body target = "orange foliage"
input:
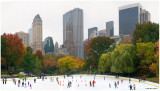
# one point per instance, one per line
(39, 54)
(80, 63)
(152, 68)
(88, 48)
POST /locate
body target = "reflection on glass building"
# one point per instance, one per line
(130, 15)
(92, 32)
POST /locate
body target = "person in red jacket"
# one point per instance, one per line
(93, 83)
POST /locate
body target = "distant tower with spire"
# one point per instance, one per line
(37, 34)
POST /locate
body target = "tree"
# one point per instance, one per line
(80, 63)
(49, 63)
(105, 62)
(28, 62)
(145, 52)
(37, 66)
(12, 50)
(146, 32)
(67, 64)
(39, 55)
(123, 58)
(97, 46)
(29, 49)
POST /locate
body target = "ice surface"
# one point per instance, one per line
(101, 84)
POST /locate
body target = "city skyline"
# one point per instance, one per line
(53, 19)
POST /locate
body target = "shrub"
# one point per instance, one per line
(151, 74)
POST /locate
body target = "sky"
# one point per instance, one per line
(18, 16)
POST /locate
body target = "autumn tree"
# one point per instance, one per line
(37, 66)
(97, 46)
(68, 64)
(12, 51)
(29, 49)
(145, 53)
(49, 64)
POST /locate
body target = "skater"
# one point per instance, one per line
(93, 83)
(134, 86)
(130, 86)
(22, 84)
(3, 80)
(19, 83)
(104, 77)
(109, 85)
(25, 79)
(115, 84)
(90, 83)
(94, 77)
(30, 86)
(121, 81)
(51, 79)
(72, 77)
(28, 83)
(139, 79)
(34, 80)
(64, 76)
(25, 85)
(129, 80)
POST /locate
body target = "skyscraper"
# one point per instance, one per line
(37, 33)
(129, 15)
(69, 39)
(30, 36)
(48, 45)
(25, 38)
(76, 18)
(110, 29)
(92, 32)
(145, 16)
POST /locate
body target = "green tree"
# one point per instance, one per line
(145, 53)
(29, 49)
(105, 62)
(37, 66)
(146, 32)
(123, 58)
(28, 62)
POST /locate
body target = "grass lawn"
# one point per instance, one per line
(153, 79)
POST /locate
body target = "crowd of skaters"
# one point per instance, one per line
(23, 83)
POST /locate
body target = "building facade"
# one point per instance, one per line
(69, 44)
(110, 29)
(129, 16)
(30, 36)
(48, 45)
(37, 34)
(145, 16)
(25, 38)
(56, 48)
(76, 18)
(102, 33)
(92, 32)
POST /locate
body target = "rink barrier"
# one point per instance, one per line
(85, 75)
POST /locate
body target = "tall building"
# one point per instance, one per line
(37, 34)
(69, 39)
(30, 36)
(92, 32)
(129, 15)
(110, 29)
(76, 18)
(145, 16)
(25, 38)
(56, 48)
(84, 44)
(48, 45)
(102, 33)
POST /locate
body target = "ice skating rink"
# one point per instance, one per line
(102, 83)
